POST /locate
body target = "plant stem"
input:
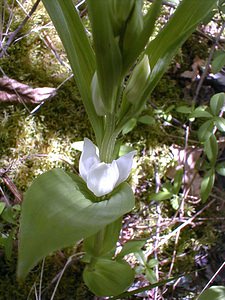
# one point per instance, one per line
(109, 139)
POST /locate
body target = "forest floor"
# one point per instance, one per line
(40, 130)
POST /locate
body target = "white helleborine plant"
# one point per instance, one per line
(101, 177)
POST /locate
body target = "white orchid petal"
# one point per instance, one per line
(88, 159)
(102, 178)
(124, 164)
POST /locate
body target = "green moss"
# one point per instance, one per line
(70, 287)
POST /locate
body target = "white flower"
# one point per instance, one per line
(102, 178)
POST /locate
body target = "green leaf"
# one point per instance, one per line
(58, 210)
(151, 276)
(177, 181)
(132, 32)
(220, 168)
(160, 196)
(165, 45)
(211, 148)
(175, 202)
(218, 61)
(161, 50)
(108, 277)
(107, 52)
(152, 263)
(205, 130)
(200, 112)
(79, 51)
(184, 109)
(213, 293)
(146, 119)
(96, 96)
(7, 242)
(124, 149)
(103, 241)
(9, 215)
(131, 247)
(137, 81)
(130, 54)
(216, 103)
(2, 206)
(207, 184)
(220, 123)
(129, 126)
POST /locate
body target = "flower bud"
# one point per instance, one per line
(96, 96)
(138, 80)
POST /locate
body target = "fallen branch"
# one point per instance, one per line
(14, 91)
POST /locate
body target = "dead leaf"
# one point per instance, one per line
(187, 159)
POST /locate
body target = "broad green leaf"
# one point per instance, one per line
(205, 130)
(220, 123)
(107, 52)
(152, 263)
(200, 112)
(207, 184)
(150, 275)
(184, 109)
(2, 206)
(211, 148)
(131, 246)
(220, 168)
(217, 102)
(9, 216)
(129, 294)
(79, 51)
(148, 120)
(104, 240)
(169, 108)
(132, 32)
(58, 210)
(160, 196)
(108, 277)
(218, 61)
(210, 15)
(121, 11)
(213, 293)
(129, 126)
(141, 257)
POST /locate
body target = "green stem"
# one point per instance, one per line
(106, 155)
(109, 139)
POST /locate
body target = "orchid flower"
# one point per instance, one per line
(101, 177)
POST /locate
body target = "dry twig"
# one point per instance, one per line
(13, 35)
